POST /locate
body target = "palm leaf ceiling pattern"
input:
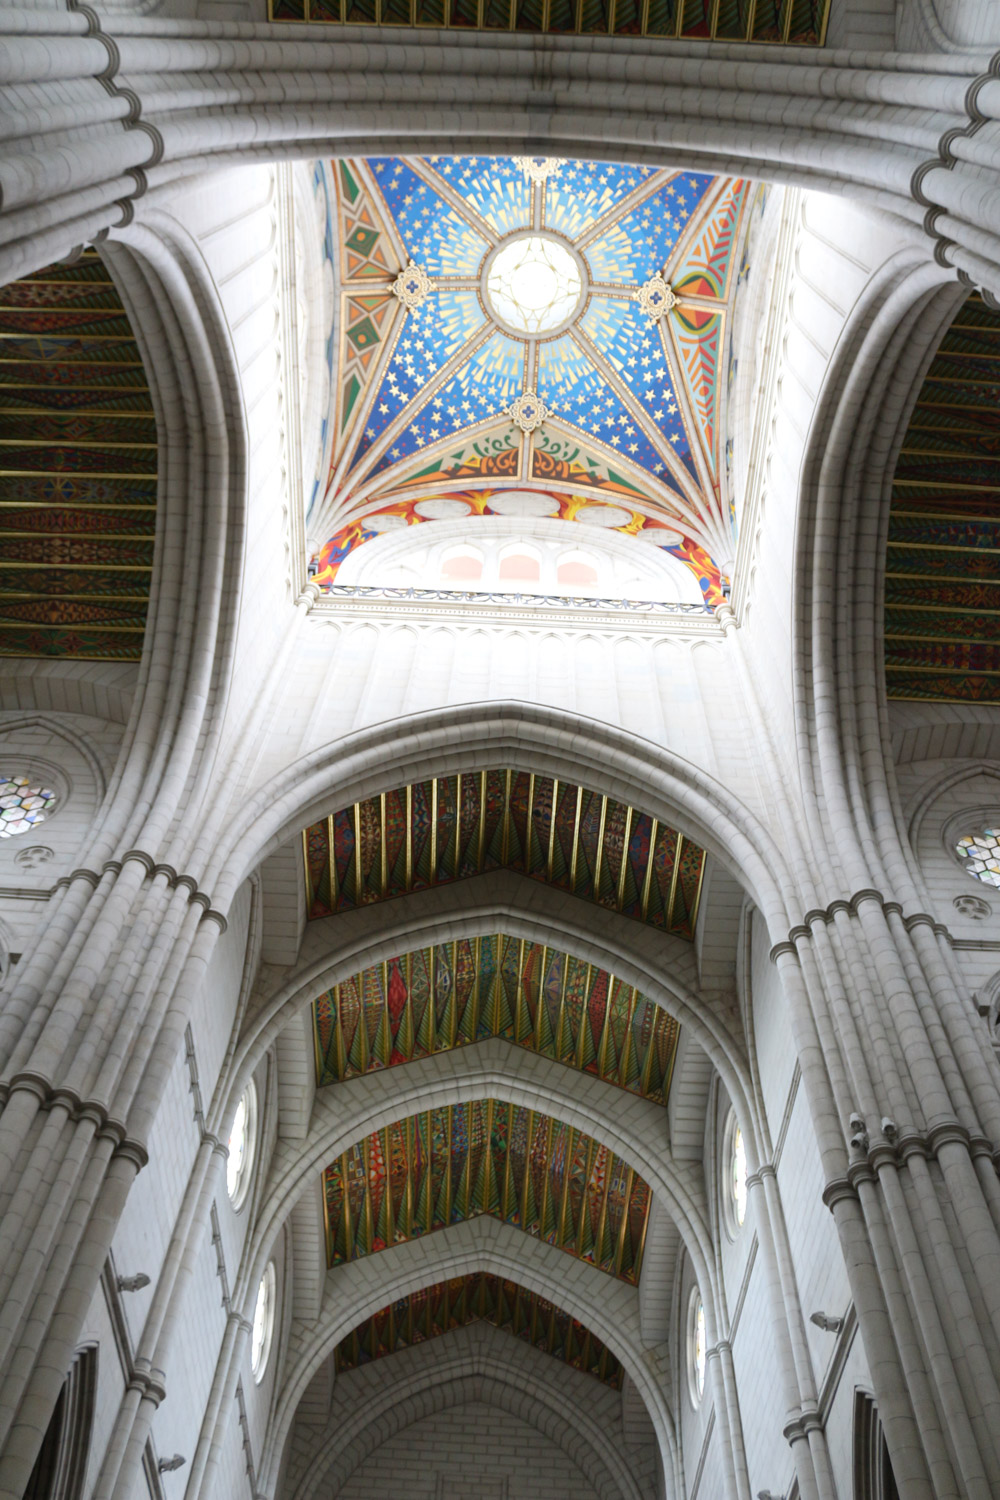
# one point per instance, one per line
(452, 827)
(942, 594)
(453, 994)
(634, 403)
(78, 464)
(478, 1298)
(447, 1165)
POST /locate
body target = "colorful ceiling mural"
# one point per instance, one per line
(447, 1165)
(479, 1298)
(621, 399)
(477, 503)
(449, 828)
(453, 994)
(78, 460)
(794, 23)
(942, 583)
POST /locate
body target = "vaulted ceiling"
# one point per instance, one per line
(453, 827)
(438, 393)
(800, 23)
(454, 994)
(942, 585)
(78, 463)
(520, 1166)
(478, 1298)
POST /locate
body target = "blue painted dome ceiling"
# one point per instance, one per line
(444, 264)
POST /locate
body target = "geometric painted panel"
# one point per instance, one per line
(438, 831)
(446, 1165)
(802, 24)
(78, 464)
(454, 994)
(479, 1298)
(942, 582)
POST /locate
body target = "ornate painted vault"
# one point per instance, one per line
(942, 583)
(452, 827)
(453, 994)
(446, 1165)
(78, 463)
(793, 22)
(448, 388)
(479, 1298)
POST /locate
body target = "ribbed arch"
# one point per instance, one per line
(632, 1128)
(665, 974)
(526, 737)
(607, 1306)
(468, 1364)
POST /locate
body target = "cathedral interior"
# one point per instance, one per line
(500, 729)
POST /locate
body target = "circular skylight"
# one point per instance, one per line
(534, 284)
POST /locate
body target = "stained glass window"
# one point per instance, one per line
(981, 854)
(241, 1143)
(24, 803)
(263, 1324)
(534, 285)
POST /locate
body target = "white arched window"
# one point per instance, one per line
(242, 1143)
(461, 565)
(576, 571)
(696, 1352)
(263, 1324)
(519, 566)
(734, 1176)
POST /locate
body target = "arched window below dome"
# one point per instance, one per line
(696, 1350)
(242, 1143)
(519, 567)
(263, 1324)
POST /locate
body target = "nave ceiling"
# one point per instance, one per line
(479, 1297)
(78, 468)
(454, 994)
(942, 598)
(791, 23)
(455, 827)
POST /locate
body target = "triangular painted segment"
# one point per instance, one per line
(435, 235)
(709, 256)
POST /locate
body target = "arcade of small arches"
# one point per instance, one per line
(500, 767)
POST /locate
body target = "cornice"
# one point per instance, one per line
(679, 622)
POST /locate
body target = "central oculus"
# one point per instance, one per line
(534, 284)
